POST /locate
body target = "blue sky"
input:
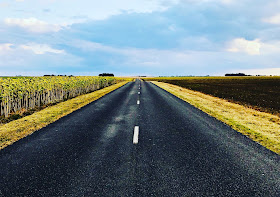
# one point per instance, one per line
(139, 37)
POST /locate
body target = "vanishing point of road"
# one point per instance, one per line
(138, 140)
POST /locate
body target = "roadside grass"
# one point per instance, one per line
(261, 127)
(17, 129)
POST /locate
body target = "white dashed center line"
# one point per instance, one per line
(135, 135)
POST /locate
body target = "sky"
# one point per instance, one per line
(139, 37)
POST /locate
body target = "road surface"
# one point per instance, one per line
(139, 140)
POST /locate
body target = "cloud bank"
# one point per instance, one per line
(135, 37)
(246, 46)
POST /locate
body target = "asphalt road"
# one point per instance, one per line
(180, 151)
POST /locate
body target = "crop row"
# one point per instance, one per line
(24, 93)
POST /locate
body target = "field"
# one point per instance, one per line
(19, 96)
(261, 93)
(17, 129)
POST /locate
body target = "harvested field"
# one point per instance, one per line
(261, 93)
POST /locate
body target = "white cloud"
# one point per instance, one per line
(23, 60)
(34, 47)
(151, 58)
(255, 47)
(5, 47)
(273, 19)
(185, 62)
(33, 25)
(245, 46)
(40, 48)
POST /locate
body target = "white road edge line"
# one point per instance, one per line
(135, 135)
(138, 102)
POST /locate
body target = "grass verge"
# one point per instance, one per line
(17, 129)
(261, 127)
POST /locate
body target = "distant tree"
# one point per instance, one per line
(106, 75)
(235, 74)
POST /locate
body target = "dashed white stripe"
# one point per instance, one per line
(135, 135)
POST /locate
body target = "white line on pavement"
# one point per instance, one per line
(135, 135)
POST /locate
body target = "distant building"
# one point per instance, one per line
(106, 75)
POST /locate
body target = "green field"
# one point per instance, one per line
(261, 93)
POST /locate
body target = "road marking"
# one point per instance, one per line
(135, 135)
(138, 102)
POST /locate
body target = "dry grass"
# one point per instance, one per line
(17, 129)
(261, 127)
